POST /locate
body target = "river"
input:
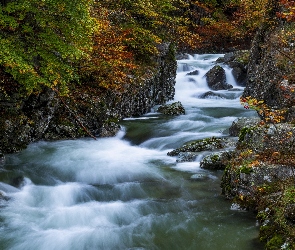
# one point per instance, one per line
(125, 192)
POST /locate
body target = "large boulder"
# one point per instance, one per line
(216, 79)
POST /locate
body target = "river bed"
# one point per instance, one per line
(125, 192)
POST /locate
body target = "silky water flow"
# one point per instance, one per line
(125, 192)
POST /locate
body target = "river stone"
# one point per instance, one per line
(242, 122)
(175, 108)
(216, 79)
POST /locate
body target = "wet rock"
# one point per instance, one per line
(2, 159)
(290, 213)
(218, 160)
(208, 144)
(182, 56)
(193, 73)
(200, 177)
(243, 180)
(175, 108)
(277, 138)
(186, 157)
(216, 79)
(240, 74)
(17, 181)
(109, 129)
(210, 94)
(241, 123)
(238, 61)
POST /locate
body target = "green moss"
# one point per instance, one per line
(243, 57)
(275, 243)
(246, 169)
(245, 131)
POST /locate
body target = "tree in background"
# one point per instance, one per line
(42, 40)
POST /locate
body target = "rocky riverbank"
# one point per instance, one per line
(87, 111)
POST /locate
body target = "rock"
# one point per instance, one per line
(186, 157)
(290, 213)
(181, 56)
(218, 160)
(238, 61)
(2, 159)
(268, 78)
(242, 122)
(216, 79)
(210, 94)
(208, 144)
(193, 73)
(243, 180)
(175, 108)
(277, 138)
(228, 57)
(240, 75)
(109, 129)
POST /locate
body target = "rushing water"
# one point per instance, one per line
(125, 192)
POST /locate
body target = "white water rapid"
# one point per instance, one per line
(125, 192)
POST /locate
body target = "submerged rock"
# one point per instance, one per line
(216, 79)
(193, 73)
(175, 108)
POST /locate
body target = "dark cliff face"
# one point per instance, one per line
(268, 68)
(46, 116)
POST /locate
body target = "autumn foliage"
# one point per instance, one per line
(109, 43)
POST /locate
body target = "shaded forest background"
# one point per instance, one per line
(107, 44)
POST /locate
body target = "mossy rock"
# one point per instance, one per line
(208, 144)
(175, 108)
